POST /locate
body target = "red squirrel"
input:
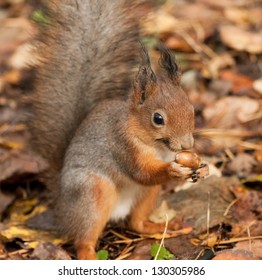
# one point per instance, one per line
(108, 127)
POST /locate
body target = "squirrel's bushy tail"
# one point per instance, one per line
(87, 53)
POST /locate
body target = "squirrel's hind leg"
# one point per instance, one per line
(101, 197)
(139, 218)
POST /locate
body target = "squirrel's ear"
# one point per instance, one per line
(145, 82)
(168, 63)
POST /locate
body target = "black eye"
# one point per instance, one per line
(158, 119)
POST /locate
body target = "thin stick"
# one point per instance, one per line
(249, 236)
(208, 214)
(229, 206)
(234, 240)
(162, 240)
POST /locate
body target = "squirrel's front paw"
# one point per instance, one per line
(179, 171)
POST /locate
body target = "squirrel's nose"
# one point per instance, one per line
(187, 141)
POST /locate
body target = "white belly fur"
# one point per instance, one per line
(129, 193)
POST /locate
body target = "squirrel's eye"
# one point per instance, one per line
(158, 119)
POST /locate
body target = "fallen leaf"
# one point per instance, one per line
(217, 63)
(241, 84)
(258, 155)
(22, 58)
(254, 246)
(257, 85)
(30, 237)
(182, 247)
(142, 251)
(212, 195)
(178, 44)
(160, 22)
(162, 212)
(242, 164)
(230, 111)
(48, 251)
(20, 162)
(13, 77)
(240, 39)
(15, 145)
(235, 254)
(244, 16)
(210, 240)
(22, 210)
(248, 206)
(251, 227)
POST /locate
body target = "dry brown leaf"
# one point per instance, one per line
(237, 15)
(178, 44)
(235, 254)
(160, 22)
(258, 155)
(210, 240)
(22, 58)
(240, 39)
(248, 207)
(257, 85)
(212, 195)
(241, 229)
(182, 247)
(242, 164)
(160, 213)
(48, 251)
(240, 83)
(230, 111)
(2, 83)
(30, 237)
(18, 163)
(254, 246)
(142, 251)
(13, 77)
(219, 62)
(244, 16)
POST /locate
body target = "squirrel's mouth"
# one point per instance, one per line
(166, 142)
(173, 146)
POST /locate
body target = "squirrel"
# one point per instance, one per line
(108, 127)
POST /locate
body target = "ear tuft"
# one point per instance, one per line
(145, 81)
(168, 63)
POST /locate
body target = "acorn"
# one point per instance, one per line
(188, 159)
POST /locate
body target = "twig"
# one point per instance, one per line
(234, 240)
(229, 153)
(229, 206)
(163, 237)
(198, 47)
(208, 214)
(215, 132)
(249, 235)
(126, 252)
(249, 145)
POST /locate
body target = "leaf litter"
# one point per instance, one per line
(220, 217)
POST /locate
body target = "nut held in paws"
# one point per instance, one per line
(188, 159)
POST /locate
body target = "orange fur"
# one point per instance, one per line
(105, 197)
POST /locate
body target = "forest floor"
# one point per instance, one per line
(218, 45)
